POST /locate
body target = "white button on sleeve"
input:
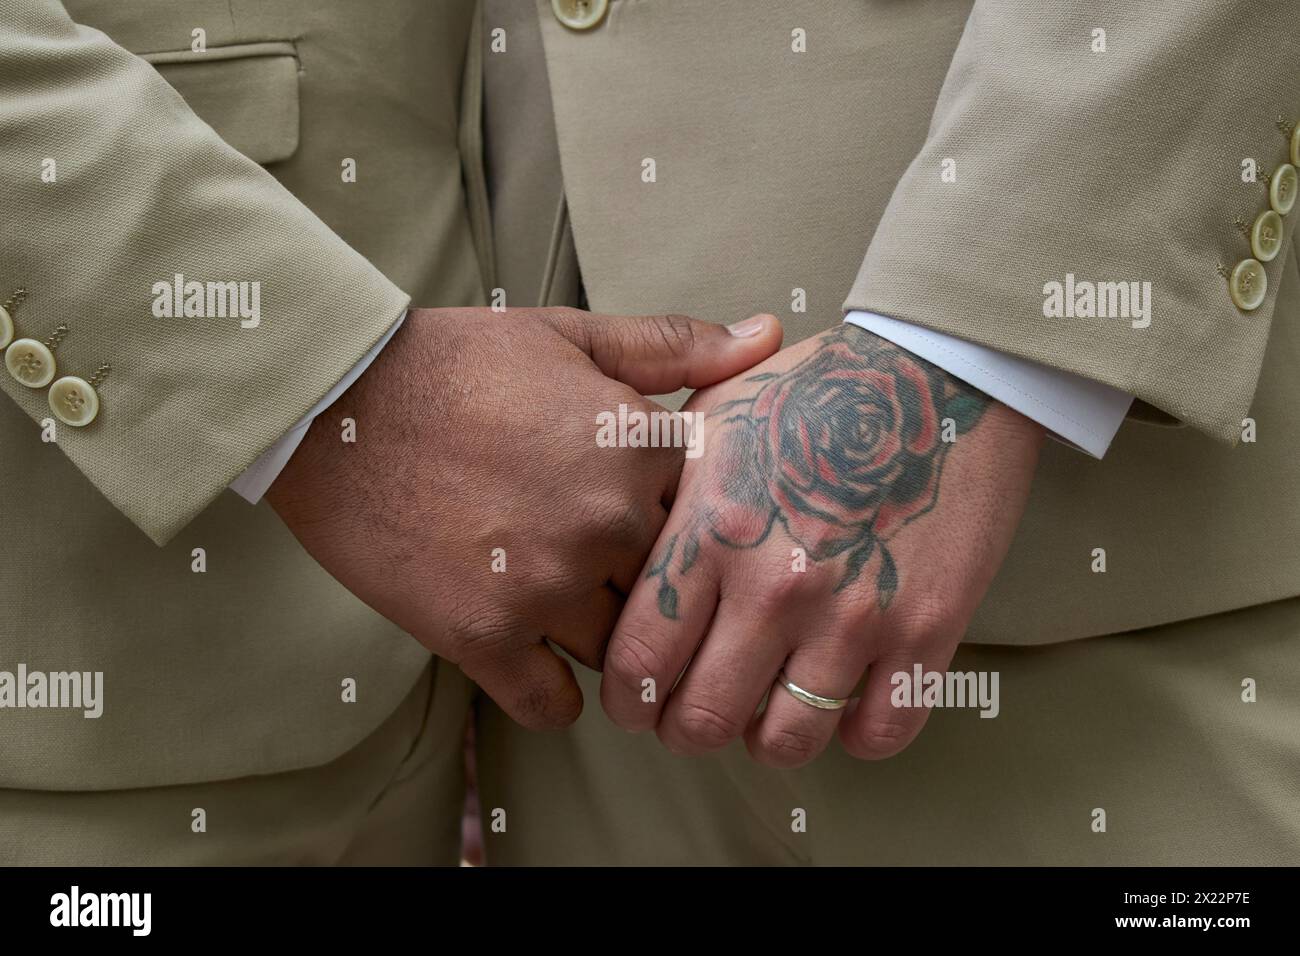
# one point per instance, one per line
(74, 401)
(31, 363)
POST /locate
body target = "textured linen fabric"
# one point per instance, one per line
(1123, 165)
(393, 799)
(148, 191)
(771, 165)
(238, 670)
(775, 168)
(1149, 727)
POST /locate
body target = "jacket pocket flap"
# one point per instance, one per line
(247, 93)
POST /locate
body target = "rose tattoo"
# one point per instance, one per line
(841, 451)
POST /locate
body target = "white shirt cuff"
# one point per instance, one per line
(261, 474)
(1077, 410)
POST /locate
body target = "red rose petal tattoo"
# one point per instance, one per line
(841, 451)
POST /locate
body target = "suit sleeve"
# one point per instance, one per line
(142, 191)
(1104, 145)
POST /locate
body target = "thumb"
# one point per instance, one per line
(655, 354)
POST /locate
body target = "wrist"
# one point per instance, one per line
(313, 479)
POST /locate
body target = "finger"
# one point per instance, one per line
(659, 469)
(629, 561)
(790, 732)
(655, 354)
(531, 683)
(873, 727)
(621, 527)
(717, 696)
(583, 627)
(662, 623)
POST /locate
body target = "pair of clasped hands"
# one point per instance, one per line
(829, 529)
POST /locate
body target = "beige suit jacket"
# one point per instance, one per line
(795, 147)
(226, 163)
(799, 152)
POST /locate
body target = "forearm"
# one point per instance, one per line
(144, 191)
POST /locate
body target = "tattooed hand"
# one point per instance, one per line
(849, 511)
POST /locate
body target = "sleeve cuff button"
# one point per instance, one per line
(74, 401)
(1248, 285)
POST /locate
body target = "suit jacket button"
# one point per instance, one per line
(6, 327)
(74, 401)
(1248, 285)
(31, 362)
(1282, 189)
(1266, 236)
(580, 14)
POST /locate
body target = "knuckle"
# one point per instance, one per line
(556, 583)
(631, 657)
(675, 333)
(824, 541)
(926, 622)
(739, 525)
(566, 321)
(787, 746)
(561, 315)
(707, 727)
(619, 520)
(780, 590)
(480, 635)
(884, 736)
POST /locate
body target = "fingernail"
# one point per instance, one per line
(746, 327)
